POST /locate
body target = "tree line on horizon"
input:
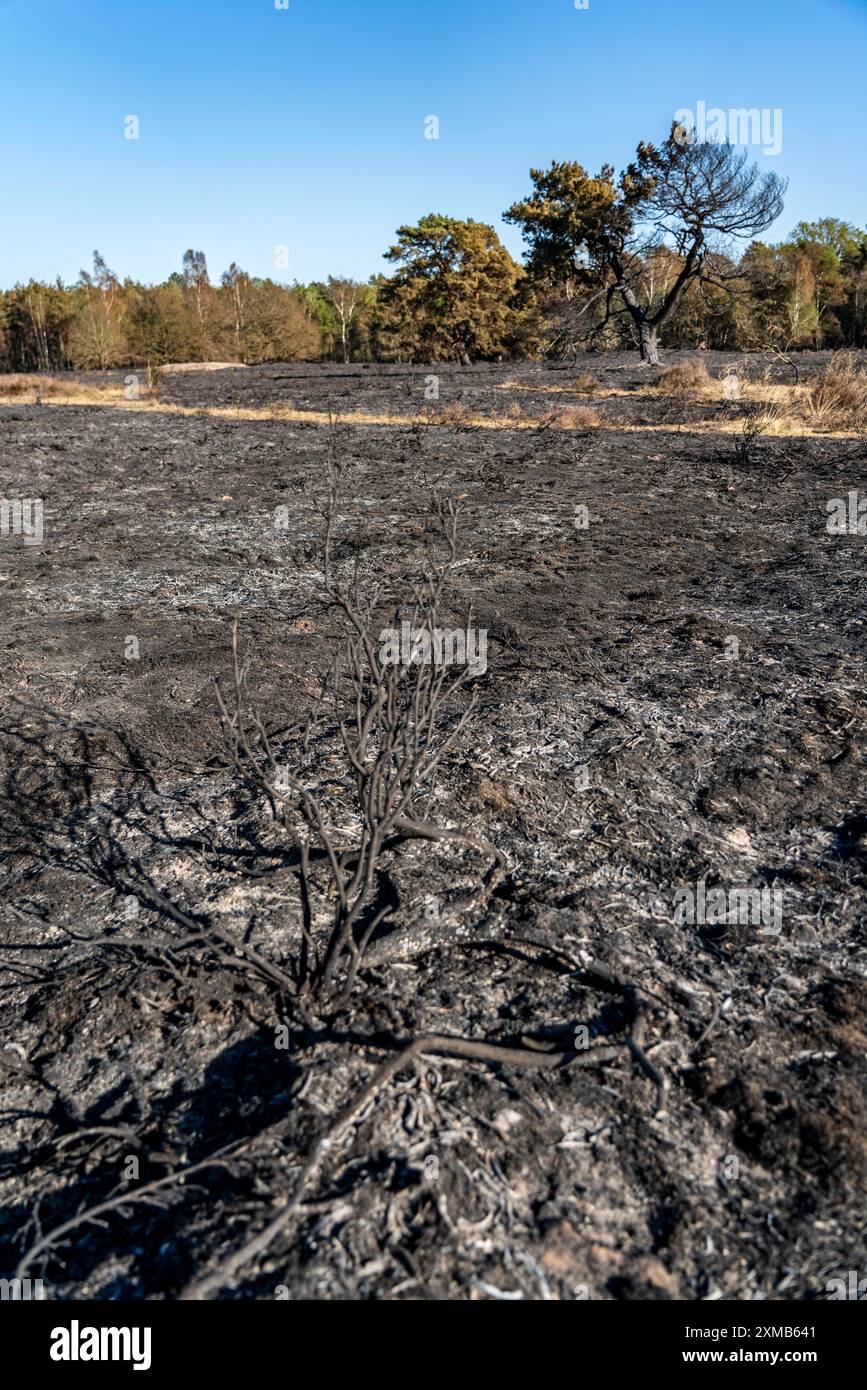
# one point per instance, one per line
(643, 261)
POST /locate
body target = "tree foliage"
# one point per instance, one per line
(601, 237)
(452, 297)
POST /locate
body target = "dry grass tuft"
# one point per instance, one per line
(686, 377)
(454, 415)
(587, 383)
(571, 417)
(837, 398)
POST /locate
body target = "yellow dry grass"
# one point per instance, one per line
(787, 409)
(28, 388)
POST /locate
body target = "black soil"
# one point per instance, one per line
(624, 747)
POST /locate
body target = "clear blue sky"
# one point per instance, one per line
(305, 127)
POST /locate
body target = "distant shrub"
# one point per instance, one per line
(587, 382)
(684, 378)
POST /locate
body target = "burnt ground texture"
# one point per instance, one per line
(674, 693)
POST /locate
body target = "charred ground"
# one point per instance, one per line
(131, 1037)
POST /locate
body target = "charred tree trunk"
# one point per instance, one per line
(648, 343)
(646, 327)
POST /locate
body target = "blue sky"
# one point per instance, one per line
(263, 127)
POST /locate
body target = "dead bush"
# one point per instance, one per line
(397, 720)
(760, 418)
(587, 383)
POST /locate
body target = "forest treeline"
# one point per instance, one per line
(456, 294)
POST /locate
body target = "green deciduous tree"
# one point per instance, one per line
(96, 334)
